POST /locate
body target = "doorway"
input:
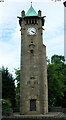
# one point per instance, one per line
(32, 105)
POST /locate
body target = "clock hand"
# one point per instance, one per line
(33, 31)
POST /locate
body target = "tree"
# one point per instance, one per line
(56, 74)
(8, 86)
(6, 105)
(56, 80)
(17, 89)
(57, 59)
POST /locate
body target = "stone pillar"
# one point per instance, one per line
(45, 82)
(23, 13)
(39, 13)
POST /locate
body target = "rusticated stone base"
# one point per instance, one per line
(49, 116)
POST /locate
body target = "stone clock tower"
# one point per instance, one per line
(33, 77)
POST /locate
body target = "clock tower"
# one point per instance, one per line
(33, 76)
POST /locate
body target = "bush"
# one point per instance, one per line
(6, 105)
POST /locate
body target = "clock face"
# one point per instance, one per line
(31, 31)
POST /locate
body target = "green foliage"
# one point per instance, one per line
(57, 59)
(17, 79)
(56, 80)
(6, 105)
(8, 86)
(56, 74)
(17, 72)
(17, 89)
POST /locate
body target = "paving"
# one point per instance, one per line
(49, 114)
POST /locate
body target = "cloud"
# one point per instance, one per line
(10, 36)
(55, 46)
(9, 42)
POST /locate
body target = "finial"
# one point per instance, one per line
(31, 3)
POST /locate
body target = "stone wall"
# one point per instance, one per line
(33, 77)
(33, 118)
(64, 110)
(57, 109)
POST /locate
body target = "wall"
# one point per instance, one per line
(33, 118)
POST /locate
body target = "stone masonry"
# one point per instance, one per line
(33, 76)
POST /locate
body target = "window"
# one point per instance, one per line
(32, 105)
(29, 21)
(32, 21)
(31, 51)
(31, 41)
(35, 21)
(28, 82)
(35, 82)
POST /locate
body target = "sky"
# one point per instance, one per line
(10, 36)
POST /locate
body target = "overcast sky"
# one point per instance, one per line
(10, 38)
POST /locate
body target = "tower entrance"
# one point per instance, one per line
(32, 105)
